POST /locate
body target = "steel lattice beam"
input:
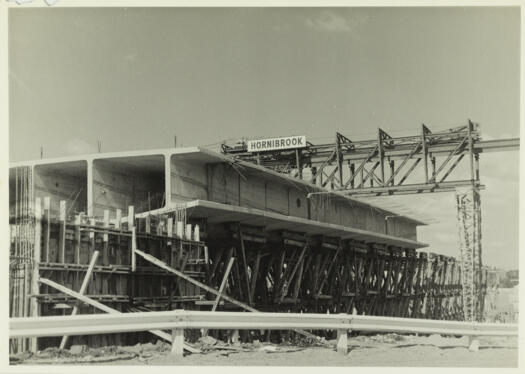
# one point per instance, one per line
(367, 161)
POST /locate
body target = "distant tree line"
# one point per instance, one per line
(510, 279)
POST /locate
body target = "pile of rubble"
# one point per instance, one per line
(82, 354)
(79, 354)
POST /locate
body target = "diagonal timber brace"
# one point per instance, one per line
(224, 283)
(106, 309)
(82, 290)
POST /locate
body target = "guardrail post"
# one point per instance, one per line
(473, 343)
(235, 336)
(177, 342)
(342, 341)
(342, 335)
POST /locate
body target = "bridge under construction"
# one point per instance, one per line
(280, 230)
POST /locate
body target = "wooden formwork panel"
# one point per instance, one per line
(68, 245)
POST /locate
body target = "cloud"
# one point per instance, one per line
(77, 146)
(333, 22)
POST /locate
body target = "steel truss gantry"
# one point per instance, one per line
(381, 166)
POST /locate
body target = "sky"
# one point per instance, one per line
(135, 78)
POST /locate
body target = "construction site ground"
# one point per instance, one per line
(364, 350)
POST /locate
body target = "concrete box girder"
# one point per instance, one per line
(116, 180)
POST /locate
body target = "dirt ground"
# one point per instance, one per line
(374, 350)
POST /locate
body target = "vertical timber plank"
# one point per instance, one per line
(91, 237)
(118, 225)
(105, 250)
(245, 266)
(77, 240)
(36, 263)
(47, 209)
(131, 227)
(62, 233)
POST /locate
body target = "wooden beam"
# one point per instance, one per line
(76, 295)
(47, 235)
(224, 283)
(162, 265)
(118, 218)
(91, 237)
(77, 239)
(329, 270)
(286, 284)
(62, 233)
(133, 249)
(105, 238)
(245, 267)
(131, 217)
(33, 345)
(107, 309)
(216, 261)
(297, 286)
(169, 228)
(82, 291)
(254, 275)
(237, 277)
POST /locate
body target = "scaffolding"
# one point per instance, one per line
(22, 226)
(469, 230)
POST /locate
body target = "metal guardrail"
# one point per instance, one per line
(179, 320)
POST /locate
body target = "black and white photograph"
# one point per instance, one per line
(248, 185)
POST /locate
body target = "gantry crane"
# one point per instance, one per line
(381, 166)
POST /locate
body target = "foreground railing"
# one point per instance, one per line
(179, 320)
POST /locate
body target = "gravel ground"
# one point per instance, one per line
(376, 350)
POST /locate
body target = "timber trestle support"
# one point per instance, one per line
(114, 260)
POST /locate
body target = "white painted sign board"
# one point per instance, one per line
(271, 144)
